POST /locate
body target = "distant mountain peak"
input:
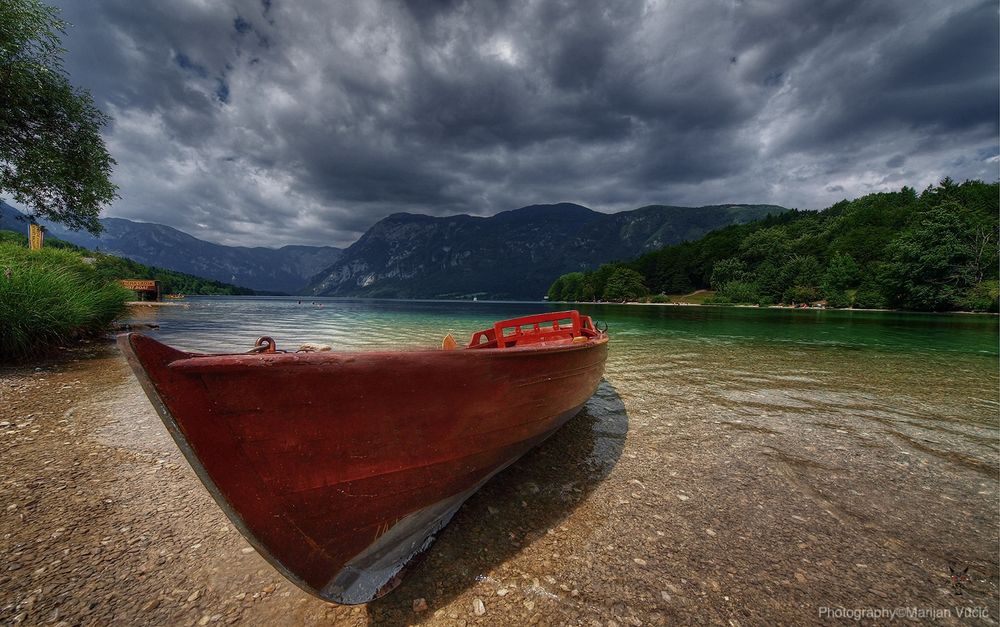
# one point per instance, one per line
(560, 209)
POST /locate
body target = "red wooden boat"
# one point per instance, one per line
(340, 467)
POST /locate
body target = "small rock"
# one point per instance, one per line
(151, 605)
(710, 532)
(478, 607)
(800, 576)
(665, 595)
(268, 589)
(529, 605)
(494, 511)
(502, 592)
(193, 596)
(639, 561)
(204, 619)
(420, 605)
(248, 549)
(683, 497)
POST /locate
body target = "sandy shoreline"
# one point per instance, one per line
(625, 517)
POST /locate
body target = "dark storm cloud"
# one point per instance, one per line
(304, 122)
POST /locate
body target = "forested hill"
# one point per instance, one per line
(933, 251)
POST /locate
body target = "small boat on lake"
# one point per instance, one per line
(340, 467)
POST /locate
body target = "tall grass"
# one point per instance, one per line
(49, 297)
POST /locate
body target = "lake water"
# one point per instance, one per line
(738, 464)
(217, 324)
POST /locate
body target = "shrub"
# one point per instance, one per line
(717, 299)
(839, 299)
(739, 292)
(982, 297)
(50, 297)
(870, 297)
(801, 294)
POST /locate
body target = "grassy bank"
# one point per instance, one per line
(50, 297)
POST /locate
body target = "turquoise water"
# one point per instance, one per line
(231, 324)
(751, 361)
(756, 363)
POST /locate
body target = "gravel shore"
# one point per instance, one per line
(623, 518)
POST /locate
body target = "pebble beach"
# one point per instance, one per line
(678, 496)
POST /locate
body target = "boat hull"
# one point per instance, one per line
(340, 468)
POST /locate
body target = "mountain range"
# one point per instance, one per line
(287, 269)
(511, 255)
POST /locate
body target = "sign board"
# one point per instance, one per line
(139, 285)
(35, 237)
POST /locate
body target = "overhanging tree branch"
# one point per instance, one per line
(52, 156)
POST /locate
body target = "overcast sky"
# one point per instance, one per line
(274, 122)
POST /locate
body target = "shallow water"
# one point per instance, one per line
(217, 324)
(738, 464)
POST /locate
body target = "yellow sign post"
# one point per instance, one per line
(35, 237)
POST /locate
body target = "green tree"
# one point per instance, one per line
(842, 274)
(727, 271)
(556, 289)
(931, 263)
(623, 285)
(52, 157)
(573, 287)
(771, 244)
(772, 281)
(804, 270)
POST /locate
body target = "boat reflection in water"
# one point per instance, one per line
(340, 468)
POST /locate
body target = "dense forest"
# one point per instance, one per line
(114, 268)
(932, 251)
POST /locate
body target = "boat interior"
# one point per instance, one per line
(547, 328)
